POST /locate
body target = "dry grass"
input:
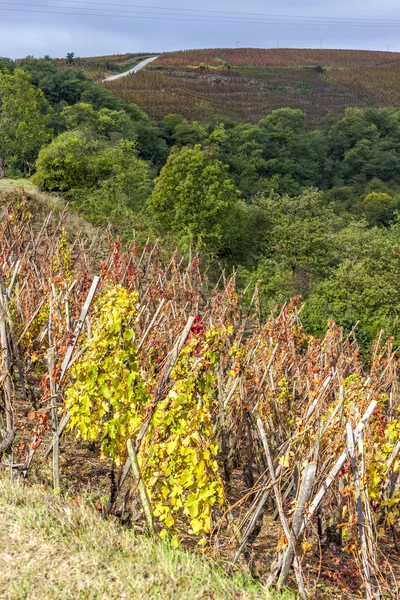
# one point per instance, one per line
(41, 203)
(61, 549)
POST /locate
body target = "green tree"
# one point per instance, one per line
(65, 163)
(112, 124)
(24, 117)
(123, 185)
(380, 208)
(364, 289)
(195, 200)
(290, 245)
(106, 182)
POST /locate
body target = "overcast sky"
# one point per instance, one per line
(88, 28)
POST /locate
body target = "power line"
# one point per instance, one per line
(199, 19)
(248, 16)
(138, 16)
(219, 12)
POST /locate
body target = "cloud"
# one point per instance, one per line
(23, 33)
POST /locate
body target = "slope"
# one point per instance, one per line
(246, 84)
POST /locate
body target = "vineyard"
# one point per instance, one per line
(98, 68)
(128, 372)
(247, 84)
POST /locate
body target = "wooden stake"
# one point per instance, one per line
(144, 497)
(5, 356)
(51, 357)
(286, 529)
(307, 484)
(360, 512)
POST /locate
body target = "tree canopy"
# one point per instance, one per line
(24, 118)
(194, 198)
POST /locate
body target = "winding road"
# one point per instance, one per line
(138, 67)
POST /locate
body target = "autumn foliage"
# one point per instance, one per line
(246, 84)
(228, 412)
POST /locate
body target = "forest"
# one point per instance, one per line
(226, 295)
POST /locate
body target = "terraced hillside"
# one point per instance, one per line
(247, 84)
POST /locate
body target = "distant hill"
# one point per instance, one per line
(245, 84)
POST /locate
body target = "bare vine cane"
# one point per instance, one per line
(70, 351)
(286, 529)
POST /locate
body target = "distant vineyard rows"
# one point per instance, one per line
(250, 83)
(284, 57)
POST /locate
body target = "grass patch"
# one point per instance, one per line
(61, 549)
(41, 203)
(8, 185)
(133, 63)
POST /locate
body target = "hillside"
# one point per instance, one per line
(198, 379)
(199, 334)
(246, 84)
(98, 68)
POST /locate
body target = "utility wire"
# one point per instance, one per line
(164, 17)
(229, 13)
(200, 18)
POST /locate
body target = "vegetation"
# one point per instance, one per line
(190, 366)
(108, 182)
(181, 367)
(61, 549)
(245, 84)
(23, 122)
(245, 195)
(195, 200)
(261, 214)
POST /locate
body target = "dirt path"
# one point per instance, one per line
(138, 67)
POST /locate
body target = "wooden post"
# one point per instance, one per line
(331, 477)
(144, 497)
(13, 339)
(360, 512)
(286, 529)
(51, 356)
(305, 492)
(5, 358)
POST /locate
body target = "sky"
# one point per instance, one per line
(104, 27)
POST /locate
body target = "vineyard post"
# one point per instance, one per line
(54, 420)
(306, 487)
(334, 472)
(338, 465)
(13, 339)
(144, 497)
(360, 511)
(5, 356)
(286, 529)
(222, 424)
(13, 278)
(261, 501)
